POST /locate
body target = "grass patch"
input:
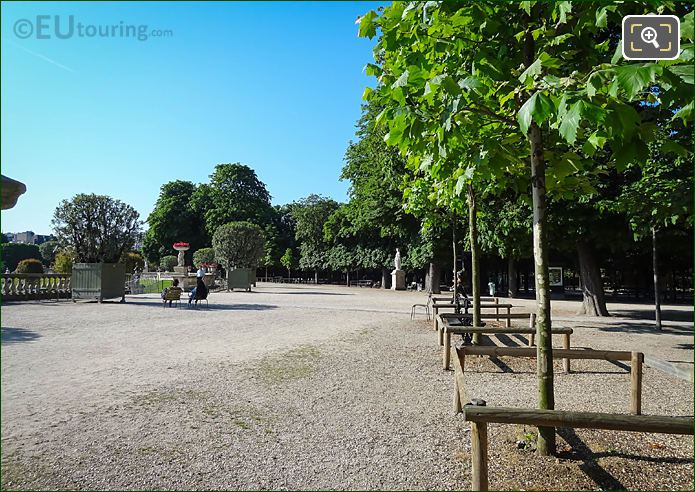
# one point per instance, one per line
(294, 364)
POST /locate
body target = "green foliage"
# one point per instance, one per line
(48, 252)
(97, 227)
(63, 261)
(341, 258)
(133, 260)
(204, 255)
(30, 265)
(168, 262)
(310, 215)
(236, 194)
(288, 260)
(239, 244)
(176, 217)
(271, 248)
(13, 253)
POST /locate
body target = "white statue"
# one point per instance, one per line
(397, 259)
(181, 258)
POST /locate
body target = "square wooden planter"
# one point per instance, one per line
(98, 281)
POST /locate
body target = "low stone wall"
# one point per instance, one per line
(28, 286)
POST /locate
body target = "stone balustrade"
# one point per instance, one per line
(26, 286)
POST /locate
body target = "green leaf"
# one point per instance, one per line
(470, 83)
(530, 72)
(634, 77)
(564, 8)
(685, 72)
(450, 85)
(367, 27)
(538, 108)
(570, 122)
(373, 70)
(527, 6)
(367, 92)
(401, 81)
(618, 55)
(687, 27)
(685, 113)
(671, 147)
(602, 17)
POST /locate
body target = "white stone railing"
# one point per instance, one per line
(24, 286)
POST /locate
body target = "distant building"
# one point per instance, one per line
(42, 238)
(28, 237)
(25, 237)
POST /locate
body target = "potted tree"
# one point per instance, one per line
(98, 229)
(239, 247)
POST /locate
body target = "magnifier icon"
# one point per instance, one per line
(648, 35)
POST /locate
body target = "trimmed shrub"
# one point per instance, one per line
(239, 244)
(204, 255)
(30, 265)
(169, 262)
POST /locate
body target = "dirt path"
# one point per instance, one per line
(299, 387)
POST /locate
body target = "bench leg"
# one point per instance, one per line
(440, 334)
(566, 345)
(457, 398)
(446, 350)
(434, 318)
(509, 319)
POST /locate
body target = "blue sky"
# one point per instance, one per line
(276, 86)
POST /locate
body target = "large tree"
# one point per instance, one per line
(236, 194)
(97, 228)
(524, 81)
(310, 215)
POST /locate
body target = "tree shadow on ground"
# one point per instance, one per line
(666, 314)
(17, 335)
(635, 328)
(212, 306)
(605, 481)
(581, 452)
(313, 293)
(685, 346)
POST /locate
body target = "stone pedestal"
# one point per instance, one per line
(181, 269)
(398, 280)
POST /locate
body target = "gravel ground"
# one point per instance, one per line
(309, 388)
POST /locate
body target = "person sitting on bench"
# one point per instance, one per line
(200, 291)
(174, 286)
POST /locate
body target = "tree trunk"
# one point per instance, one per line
(453, 242)
(594, 301)
(544, 358)
(347, 278)
(512, 278)
(384, 278)
(657, 300)
(432, 279)
(316, 277)
(475, 260)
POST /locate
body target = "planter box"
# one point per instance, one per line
(241, 278)
(98, 281)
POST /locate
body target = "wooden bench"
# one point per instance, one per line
(173, 294)
(436, 306)
(480, 415)
(636, 360)
(449, 329)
